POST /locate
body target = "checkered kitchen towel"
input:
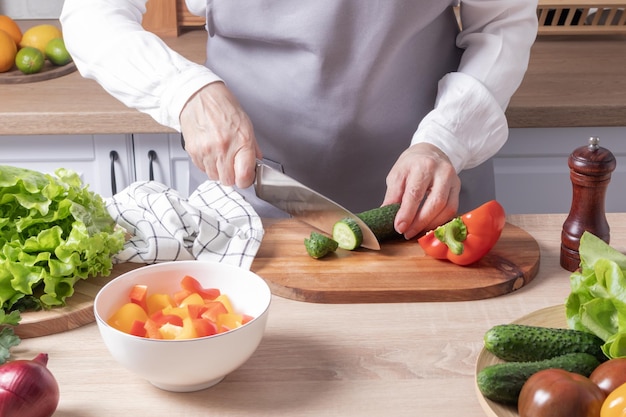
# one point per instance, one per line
(214, 223)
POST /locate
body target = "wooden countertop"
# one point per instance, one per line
(398, 359)
(571, 81)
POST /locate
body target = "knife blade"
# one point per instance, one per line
(304, 203)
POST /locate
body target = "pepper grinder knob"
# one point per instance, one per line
(590, 172)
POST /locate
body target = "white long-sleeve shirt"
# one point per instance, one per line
(466, 115)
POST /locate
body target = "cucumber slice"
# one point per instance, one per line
(317, 245)
(347, 234)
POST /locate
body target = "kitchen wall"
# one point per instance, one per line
(31, 9)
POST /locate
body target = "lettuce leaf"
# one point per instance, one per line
(597, 299)
(53, 233)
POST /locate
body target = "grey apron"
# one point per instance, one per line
(335, 89)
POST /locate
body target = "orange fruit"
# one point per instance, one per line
(9, 26)
(39, 36)
(8, 50)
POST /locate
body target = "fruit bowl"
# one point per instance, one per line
(192, 364)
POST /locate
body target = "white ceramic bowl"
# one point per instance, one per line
(194, 364)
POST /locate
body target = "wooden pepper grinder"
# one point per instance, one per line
(590, 172)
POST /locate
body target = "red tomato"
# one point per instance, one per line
(610, 374)
(559, 393)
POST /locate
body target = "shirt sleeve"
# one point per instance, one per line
(133, 65)
(468, 122)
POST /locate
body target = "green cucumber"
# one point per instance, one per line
(347, 234)
(503, 382)
(518, 342)
(380, 220)
(317, 245)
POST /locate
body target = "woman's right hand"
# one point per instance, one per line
(219, 136)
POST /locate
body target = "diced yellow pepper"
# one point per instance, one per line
(223, 298)
(158, 301)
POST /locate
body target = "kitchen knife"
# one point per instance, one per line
(305, 204)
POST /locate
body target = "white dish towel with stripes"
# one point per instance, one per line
(215, 223)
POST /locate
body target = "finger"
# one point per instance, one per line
(245, 165)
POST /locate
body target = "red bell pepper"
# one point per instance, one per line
(467, 238)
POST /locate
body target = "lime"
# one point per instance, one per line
(57, 53)
(29, 60)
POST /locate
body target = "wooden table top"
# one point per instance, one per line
(571, 81)
(398, 359)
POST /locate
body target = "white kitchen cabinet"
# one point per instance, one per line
(107, 163)
(532, 175)
(163, 159)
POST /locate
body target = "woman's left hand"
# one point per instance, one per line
(427, 187)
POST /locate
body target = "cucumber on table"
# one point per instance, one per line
(518, 342)
(503, 382)
(317, 245)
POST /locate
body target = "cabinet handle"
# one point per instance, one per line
(152, 156)
(113, 155)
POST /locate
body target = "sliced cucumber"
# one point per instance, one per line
(317, 245)
(347, 234)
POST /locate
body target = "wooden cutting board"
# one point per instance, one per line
(77, 312)
(399, 272)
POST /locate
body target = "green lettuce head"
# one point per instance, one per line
(597, 300)
(53, 232)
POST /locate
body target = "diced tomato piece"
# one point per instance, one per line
(191, 284)
(246, 318)
(214, 309)
(204, 327)
(138, 328)
(139, 295)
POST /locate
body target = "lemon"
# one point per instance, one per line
(29, 60)
(57, 53)
(39, 36)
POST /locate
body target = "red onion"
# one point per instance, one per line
(28, 388)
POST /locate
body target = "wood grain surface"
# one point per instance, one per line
(547, 317)
(48, 72)
(399, 272)
(77, 312)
